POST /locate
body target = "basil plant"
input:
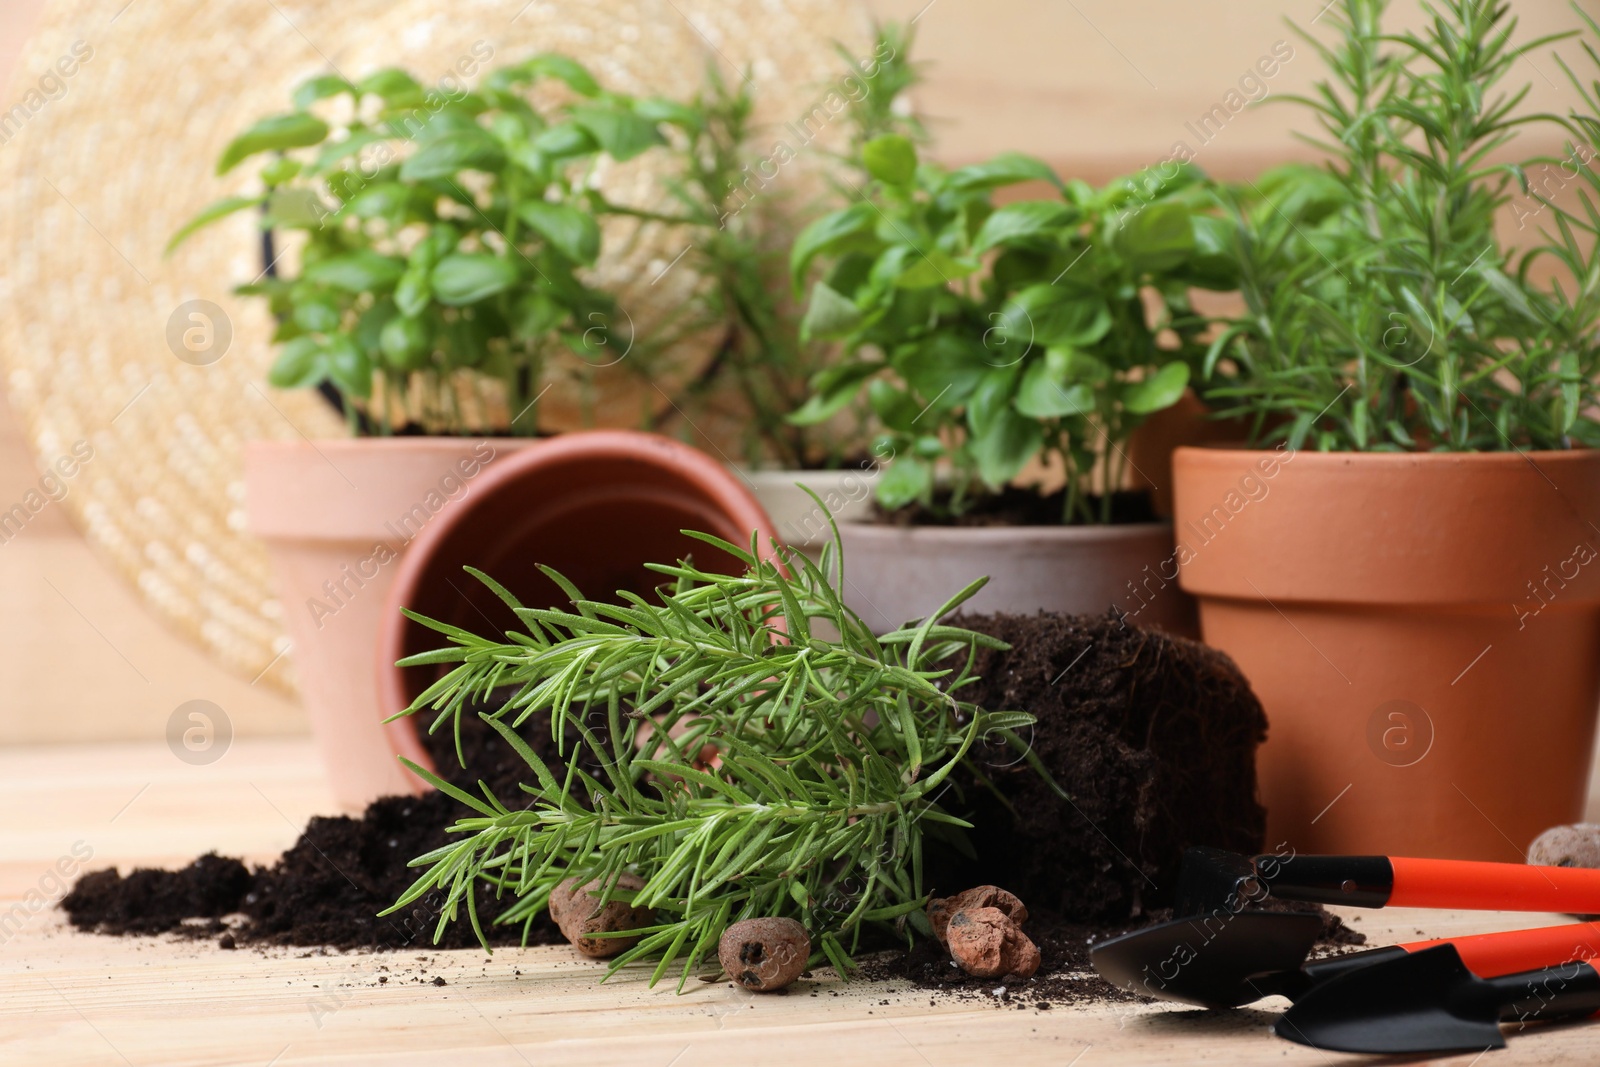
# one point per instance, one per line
(987, 337)
(446, 233)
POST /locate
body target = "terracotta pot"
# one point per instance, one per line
(1150, 447)
(898, 573)
(337, 517)
(595, 506)
(1423, 631)
(796, 518)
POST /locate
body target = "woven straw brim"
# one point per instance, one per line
(121, 152)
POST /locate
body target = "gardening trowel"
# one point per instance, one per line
(1430, 1001)
(1229, 958)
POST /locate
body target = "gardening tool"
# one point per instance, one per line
(1228, 958)
(1431, 1002)
(1221, 955)
(1212, 878)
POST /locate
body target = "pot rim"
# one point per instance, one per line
(576, 446)
(1122, 531)
(1201, 453)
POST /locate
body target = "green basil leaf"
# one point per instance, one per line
(474, 148)
(905, 481)
(466, 277)
(551, 65)
(298, 364)
(1160, 390)
(990, 398)
(842, 230)
(621, 132)
(831, 390)
(1024, 220)
(317, 317)
(1005, 449)
(1158, 237)
(564, 139)
(221, 209)
(1044, 395)
(1008, 168)
(361, 271)
(890, 158)
(944, 369)
(414, 290)
(406, 342)
(829, 315)
(294, 130)
(893, 406)
(1055, 315)
(392, 84)
(348, 366)
(535, 315)
(321, 87)
(572, 231)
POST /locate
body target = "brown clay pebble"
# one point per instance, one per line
(764, 954)
(987, 944)
(984, 896)
(1567, 846)
(576, 910)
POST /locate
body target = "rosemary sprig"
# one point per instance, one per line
(756, 751)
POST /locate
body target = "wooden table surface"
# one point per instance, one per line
(68, 998)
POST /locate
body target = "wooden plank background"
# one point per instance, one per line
(1098, 87)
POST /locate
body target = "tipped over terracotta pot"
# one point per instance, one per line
(595, 506)
(337, 517)
(1423, 631)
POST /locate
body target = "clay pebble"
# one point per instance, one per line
(984, 896)
(577, 911)
(1577, 845)
(764, 955)
(987, 944)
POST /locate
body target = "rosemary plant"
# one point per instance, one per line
(748, 765)
(1383, 311)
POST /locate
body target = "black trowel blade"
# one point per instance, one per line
(1220, 960)
(1423, 1002)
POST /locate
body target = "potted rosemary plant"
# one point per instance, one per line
(1001, 343)
(1403, 568)
(441, 281)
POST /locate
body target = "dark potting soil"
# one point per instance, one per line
(328, 888)
(1151, 737)
(1065, 974)
(1015, 506)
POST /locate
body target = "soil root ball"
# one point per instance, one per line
(578, 912)
(764, 954)
(984, 896)
(987, 944)
(1152, 737)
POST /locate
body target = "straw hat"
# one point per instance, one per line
(117, 114)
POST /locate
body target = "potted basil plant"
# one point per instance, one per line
(1000, 345)
(440, 283)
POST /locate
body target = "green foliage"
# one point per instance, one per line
(986, 337)
(1383, 312)
(445, 239)
(749, 765)
(733, 196)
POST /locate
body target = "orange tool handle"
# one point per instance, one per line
(1467, 884)
(1492, 955)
